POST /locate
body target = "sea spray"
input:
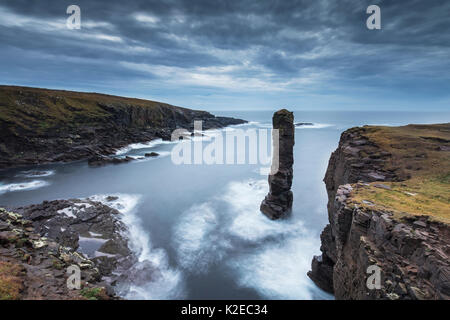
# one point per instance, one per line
(168, 283)
(271, 257)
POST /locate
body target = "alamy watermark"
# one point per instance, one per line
(73, 22)
(374, 20)
(74, 279)
(230, 147)
(374, 280)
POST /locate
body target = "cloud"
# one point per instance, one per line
(243, 48)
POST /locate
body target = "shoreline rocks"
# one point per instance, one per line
(151, 154)
(278, 202)
(35, 267)
(47, 238)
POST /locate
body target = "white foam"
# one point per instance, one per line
(314, 126)
(161, 154)
(250, 123)
(68, 211)
(272, 257)
(23, 186)
(144, 145)
(96, 235)
(198, 239)
(248, 223)
(278, 271)
(36, 174)
(83, 206)
(306, 126)
(169, 284)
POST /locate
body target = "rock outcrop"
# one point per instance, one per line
(39, 242)
(401, 225)
(279, 200)
(42, 126)
(35, 267)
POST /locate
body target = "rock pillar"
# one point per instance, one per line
(279, 200)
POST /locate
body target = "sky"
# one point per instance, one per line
(235, 55)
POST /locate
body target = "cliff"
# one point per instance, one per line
(40, 125)
(388, 206)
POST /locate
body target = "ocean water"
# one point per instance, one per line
(200, 224)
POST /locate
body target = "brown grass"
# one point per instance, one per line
(10, 281)
(420, 156)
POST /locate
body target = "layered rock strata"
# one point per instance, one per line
(278, 202)
(388, 207)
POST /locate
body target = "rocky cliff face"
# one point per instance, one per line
(279, 200)
(39, 125)
(389, 207)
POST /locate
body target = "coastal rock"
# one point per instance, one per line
(152, 154)
(279, 200)
(101, 160)
(34, 267)
(410, 250)
(90, 233)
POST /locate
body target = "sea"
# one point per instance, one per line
(199, 223)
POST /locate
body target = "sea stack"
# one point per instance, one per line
(278, 202)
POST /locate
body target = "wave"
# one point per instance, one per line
(305, 126)
(198, 239)
(206, 134)
(168, 284)
(23, 186)
(35, 174)
(278, 270)
(314, 126)
(143, 145)
(271, 257)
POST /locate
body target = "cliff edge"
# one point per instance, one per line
(388, 207)
(41, 126)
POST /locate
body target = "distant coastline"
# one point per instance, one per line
(43, 126)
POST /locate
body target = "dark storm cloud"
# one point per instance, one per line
(234, 45)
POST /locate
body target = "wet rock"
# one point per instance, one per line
(152, 154)
(279, 200)
(101, 160)
(321, 273)
(65, 222)
(37, 265)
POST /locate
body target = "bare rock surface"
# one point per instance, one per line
(39, 242)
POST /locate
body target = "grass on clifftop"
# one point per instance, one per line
(421, 154)
(37, 110)
(10, 282)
